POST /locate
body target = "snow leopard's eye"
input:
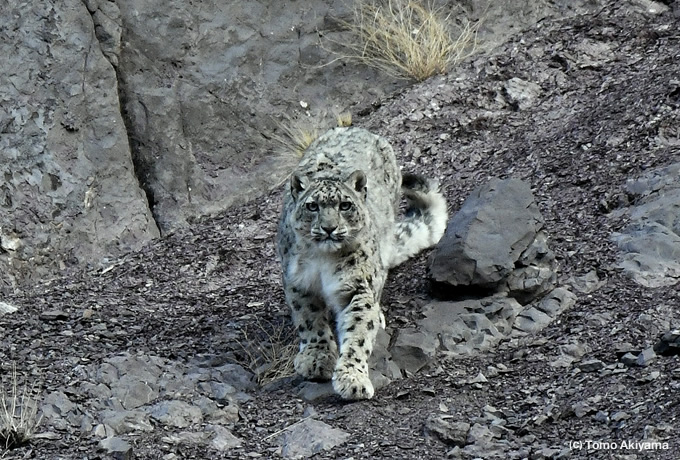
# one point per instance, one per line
(312, 206)
(345, 205)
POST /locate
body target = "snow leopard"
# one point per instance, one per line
(337, 238)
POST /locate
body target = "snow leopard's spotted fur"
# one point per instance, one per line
(337, 238)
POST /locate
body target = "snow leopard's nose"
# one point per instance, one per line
(329, 229)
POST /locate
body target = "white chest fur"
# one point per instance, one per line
(317, 275)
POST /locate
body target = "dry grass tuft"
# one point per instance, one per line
(295, 137)
(408, 39)
(18, 413)
(344, 119)
(268, 351)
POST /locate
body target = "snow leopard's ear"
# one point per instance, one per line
(298, 184)
(357, 180)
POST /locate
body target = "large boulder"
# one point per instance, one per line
(650, 244)
(496, 243)
(68, 192)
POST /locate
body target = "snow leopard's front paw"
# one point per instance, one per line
(352, 384)
(316, 363)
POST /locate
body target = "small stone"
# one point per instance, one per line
(454, 433)
(126, 421)
(186, 437)
(602, 417)
(492, 371)
(223, 439)
(118, 448)
(53, 315)
(591, 365)
(652, 376)
(6, 308)
(176, 413)
(669, 344)
(618, 416)
(413, 349)
(545, 453)
(503, 368)
(625, 347)
(312, 391)
(629, 359)
(582, 408)
(310, 437)
(647, 356)
(478, 379)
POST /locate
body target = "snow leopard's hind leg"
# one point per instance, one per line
(318, 352)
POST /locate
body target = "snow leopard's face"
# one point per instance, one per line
(330, 213)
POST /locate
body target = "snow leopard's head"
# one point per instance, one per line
(330, 212)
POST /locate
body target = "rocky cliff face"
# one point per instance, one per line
(68, 188)
(121, 120)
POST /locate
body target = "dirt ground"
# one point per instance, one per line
(605, 108)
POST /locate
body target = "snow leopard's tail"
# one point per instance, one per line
(424, 221)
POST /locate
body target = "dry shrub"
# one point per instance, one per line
(407, 38)
(18, 413)
(294, 137)
(268, 350)
(344, 119)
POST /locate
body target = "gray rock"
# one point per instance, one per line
(495, 242)
(133, 393)
(6, 308)
(69, 193)
(413, 349)
(175, 413)
(481, 442)
(454, 433)
(117, 448)
(668, 344)
(311, 391)
(188, 438)
(309, 437)
(235, 376)
(382, 368)
(592, 365)
(521, 93)
(126, 421)
(582, 408)
(545, 452)
(629, 359)
(57, 404)
(587, 283)
(222, 439)
(479, 378)
(538, 315)
(216, 414)
(470, 326)
(107, 26)
(650, 245)
(645, 357)
(217, 390)
(53, 315)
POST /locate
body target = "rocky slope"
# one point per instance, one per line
(122, 119)
(146, 357)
